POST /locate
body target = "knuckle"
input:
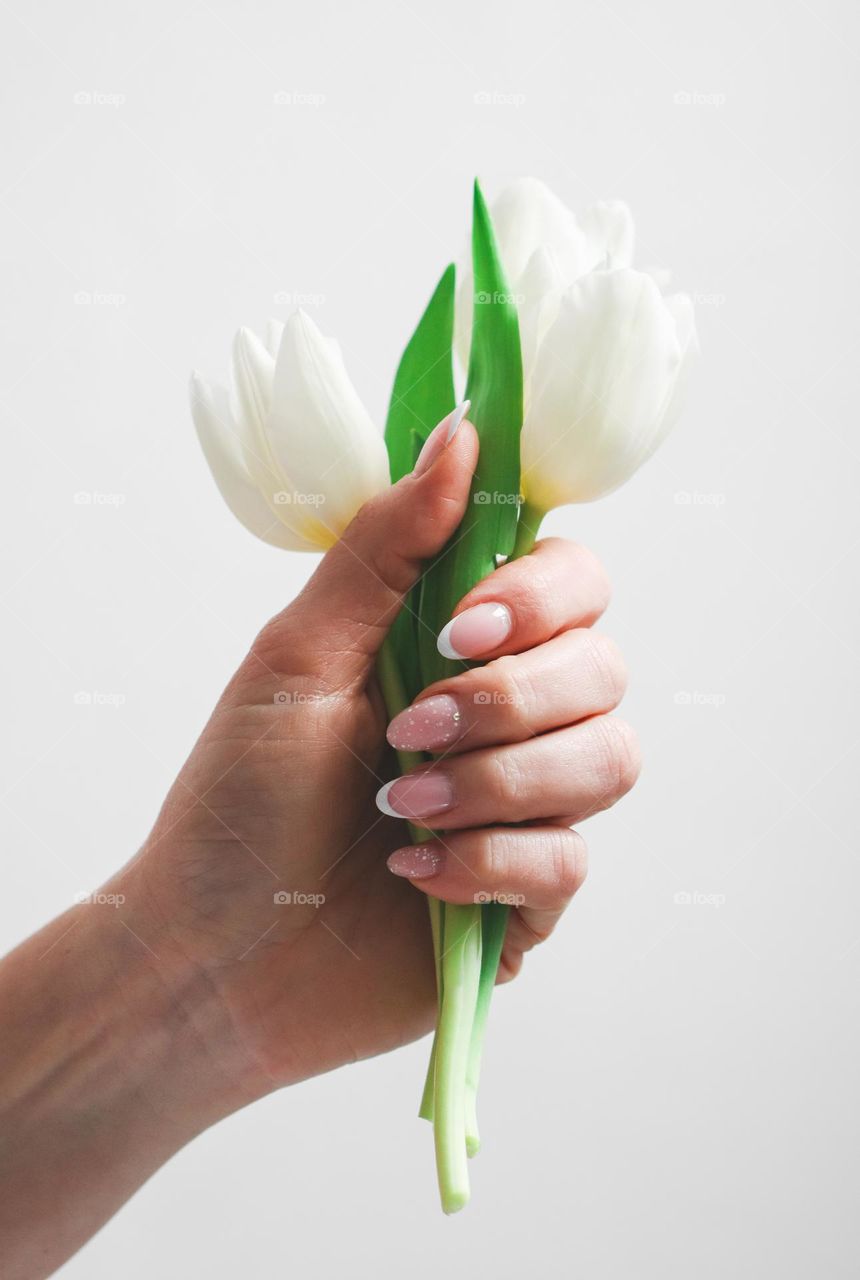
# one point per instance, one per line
(507, 781)
(618, 756)
(491, 857)
(607, 668)
(508, 688)
(569, 861)
(601, 588)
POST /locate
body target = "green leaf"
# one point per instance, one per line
(495, 387)
(424, 383)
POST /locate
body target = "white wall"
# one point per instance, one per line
(670, 1090)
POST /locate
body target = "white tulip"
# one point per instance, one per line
(291, 447)
(544, 248)
(606, 389)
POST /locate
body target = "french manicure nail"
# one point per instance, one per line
(476, 631)
(418, 795)
(428, 725)
(417, 861)
(441, 435)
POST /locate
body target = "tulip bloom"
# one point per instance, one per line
(544, 249)
(291, 447)
(607, 387)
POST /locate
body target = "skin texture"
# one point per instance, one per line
(132, 1028)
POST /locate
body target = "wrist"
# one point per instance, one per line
(117, 1053)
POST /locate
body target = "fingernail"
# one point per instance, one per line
(441, 435)
(417, 861)
(475, 631)
(427, 725)
(418, 795)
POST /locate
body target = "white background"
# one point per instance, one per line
(670, 1090)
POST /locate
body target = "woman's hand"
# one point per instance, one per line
(271, 928)
(267, 867)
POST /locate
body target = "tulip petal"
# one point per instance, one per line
(219, 440)
(603, 383)
(319, 432)
(274, 333)
(538, 294)
(608, 225)
(253, 379)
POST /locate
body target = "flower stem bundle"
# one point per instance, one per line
(574, 379)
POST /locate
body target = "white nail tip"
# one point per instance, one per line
(457, 416)
(382, 800)
(443, 642)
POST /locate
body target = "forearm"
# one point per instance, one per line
(113, 1057)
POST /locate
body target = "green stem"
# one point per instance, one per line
(395, 698)
(494, 915)
(528, 528)
(461, 967)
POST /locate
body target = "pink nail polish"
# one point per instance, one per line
(417, 861)
(441, 435)
(476, 631)
(428, 725)
(418, 795)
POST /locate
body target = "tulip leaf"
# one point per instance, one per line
(423, 394)
(424, 383)
(495, 388)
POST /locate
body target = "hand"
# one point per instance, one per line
(266, 870)
(259, 936)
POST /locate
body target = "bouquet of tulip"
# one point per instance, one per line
(575, 370)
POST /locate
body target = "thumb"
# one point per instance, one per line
(339, 621)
